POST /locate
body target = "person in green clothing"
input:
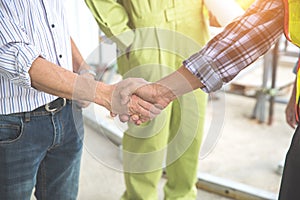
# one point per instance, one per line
(153, 37)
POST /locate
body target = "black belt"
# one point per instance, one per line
(54, 106)
(47, 109)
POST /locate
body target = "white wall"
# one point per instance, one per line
(85, 33)
(83, 27)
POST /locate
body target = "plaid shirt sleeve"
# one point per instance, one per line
(241, 43)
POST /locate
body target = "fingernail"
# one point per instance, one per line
(135, 117)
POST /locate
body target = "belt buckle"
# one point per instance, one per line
(48, 109)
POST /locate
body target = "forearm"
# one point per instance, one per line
(55, 80)
(162, 92)
(179, 82)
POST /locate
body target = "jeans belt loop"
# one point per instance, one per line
(27, 117)
(48, 109)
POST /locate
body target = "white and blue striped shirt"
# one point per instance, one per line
(29, 29)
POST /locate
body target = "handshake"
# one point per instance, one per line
(136, 100)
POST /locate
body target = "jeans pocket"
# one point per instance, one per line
(10, 131)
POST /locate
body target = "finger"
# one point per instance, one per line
(125, 96)
(291, 121)
(124, 118)
(292, 125)
(145, 109)
(158, 106)
(136, 122)
(154, 109)
(113, 114)
(134, 107)
(134, 117)
(139, 121)
(290, 118)
(144, 119)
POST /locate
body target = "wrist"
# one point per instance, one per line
(103, 95)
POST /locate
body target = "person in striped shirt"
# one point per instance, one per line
(41, 128)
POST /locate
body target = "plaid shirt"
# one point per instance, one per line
(241, 43)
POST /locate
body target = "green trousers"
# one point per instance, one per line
(173, 144)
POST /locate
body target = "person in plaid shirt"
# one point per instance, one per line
(241, 43)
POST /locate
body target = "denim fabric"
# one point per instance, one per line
(40, 150)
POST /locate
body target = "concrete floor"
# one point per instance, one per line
(249, 152)
(101, 178)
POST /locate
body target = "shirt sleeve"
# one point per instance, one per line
(112, 19)
(16, 53)
(241, 43)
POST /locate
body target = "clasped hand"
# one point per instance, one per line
(137, 100)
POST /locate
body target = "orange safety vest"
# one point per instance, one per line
(292, 33)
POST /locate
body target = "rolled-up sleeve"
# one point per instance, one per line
(16, 53)
(203, 67)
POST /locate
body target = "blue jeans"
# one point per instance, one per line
(41, 150)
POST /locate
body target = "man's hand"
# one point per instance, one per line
(129, 106)
(290, 110)
(123, 102)
(290, 114)
(157, 94)
(154, 93)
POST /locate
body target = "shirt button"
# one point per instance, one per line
(53, 26)
(60, 56)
